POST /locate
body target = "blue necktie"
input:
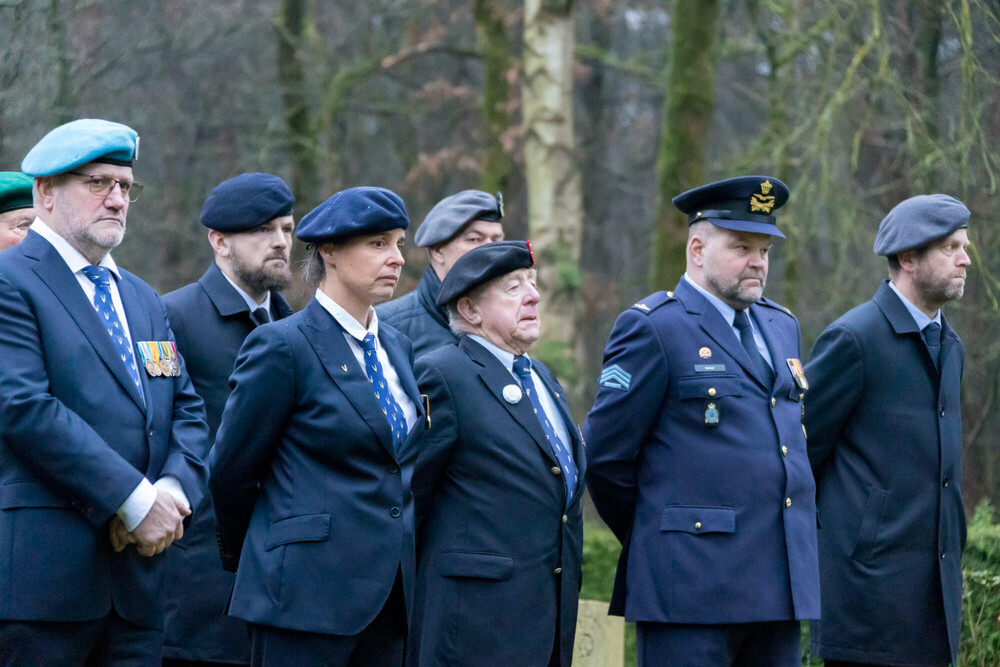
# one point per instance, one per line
(522, 367)
(932, 338)
(101, 277)
(742, 322)
(390, 408)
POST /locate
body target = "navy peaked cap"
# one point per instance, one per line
(481, 265)
(452, 213)
(81, 141)
(743, 204)
(353, 212)
(917, 221)
(246, 202)
(15, 191)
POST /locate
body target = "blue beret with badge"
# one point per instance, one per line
(353, 212)
(452, 213)
(81, 141)
(919, 220)
(246, 202)
(15, 191)
(481, 265)
(742, 204)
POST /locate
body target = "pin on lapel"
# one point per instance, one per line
(344, 366)
(512, 394)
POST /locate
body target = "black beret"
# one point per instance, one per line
(452, 213)
(919, 220)
(353, 212)
(246, 202)
(743, 204)
(481, 265)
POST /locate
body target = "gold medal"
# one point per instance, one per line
(152, 368)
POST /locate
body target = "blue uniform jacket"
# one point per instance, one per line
(210, 321)
(717, 521)
(77, 440)
(498, 552)
(418, 317)
(305, 481)
(885, 440)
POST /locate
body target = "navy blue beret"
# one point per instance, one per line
(452, 213)
(246, 202)
(15, 191)
(481, 265)
(81, 141)
(743, 204)
(353, 212)
(919, 220)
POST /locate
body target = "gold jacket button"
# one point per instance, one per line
(711, 391)
(558, 570)
(697, 525)
(556, 470)
(566, 518)
(784, 450)
(774, 401)
(788, 502)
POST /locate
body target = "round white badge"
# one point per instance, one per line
(512, 393)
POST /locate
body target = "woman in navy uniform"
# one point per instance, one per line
(312, 463)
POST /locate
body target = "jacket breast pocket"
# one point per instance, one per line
(698, 520)
(712, 386)
(473, 565)
(305, 528)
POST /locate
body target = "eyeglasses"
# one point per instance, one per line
(103, 185)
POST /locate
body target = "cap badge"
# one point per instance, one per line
(512, 394)
(500, 203)
(135, 153)
(763, 202)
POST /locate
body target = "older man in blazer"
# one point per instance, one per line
(100, 458)
(250, 225)
(885, 440)
(498, 481)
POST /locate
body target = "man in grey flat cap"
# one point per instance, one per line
(885, 442)
(455, 225)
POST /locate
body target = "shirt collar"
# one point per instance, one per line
(346, 320)
(251, 304)
(919, 316)
(727, 311)
(503, 356)
(73, 258)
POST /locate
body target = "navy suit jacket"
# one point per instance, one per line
(717, 521)
(418, 317)
(885, 440)
(498, 553)
(311, 501)
(77, 440)
(210, 321)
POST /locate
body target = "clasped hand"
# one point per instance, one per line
(157, 531)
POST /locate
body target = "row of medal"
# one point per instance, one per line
(159, 358)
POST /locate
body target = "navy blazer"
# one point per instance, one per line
(717, 520)
(210, 321)
(418, 317)
(885, 440)
(311, 501)
(499, 554)
(77, 440)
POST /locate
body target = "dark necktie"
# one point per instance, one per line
(101, 277)
(742, 322)
(932, 337)
(260, 316)
(522, 367)
(390, 408)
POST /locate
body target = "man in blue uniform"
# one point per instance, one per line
(498, 483)
(697, 457)
(100, 458)
(885, 440)
(16, 212)
(250, 225)
(456, 225)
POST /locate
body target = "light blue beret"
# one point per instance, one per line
(353, 212)
(452, 213)
(919, 220)
(81, 141)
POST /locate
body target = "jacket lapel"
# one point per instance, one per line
(226, 300)
(763, 317)
(327, 340)
(140, 328)
(576, 446)
(903, 324)
(404, 370)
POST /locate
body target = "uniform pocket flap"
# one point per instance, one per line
(15, 495)
(476, 565)
(698, 519)
(305, 528)
(709, 387)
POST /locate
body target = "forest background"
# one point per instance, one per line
(589, 115)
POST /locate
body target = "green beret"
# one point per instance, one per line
(15, 191)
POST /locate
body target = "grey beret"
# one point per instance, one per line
(452, 213)
(919, 220)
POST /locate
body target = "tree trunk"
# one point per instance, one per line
(684, 138)
(491, 33)
(555, 201)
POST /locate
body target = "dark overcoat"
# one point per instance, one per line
(417, 316)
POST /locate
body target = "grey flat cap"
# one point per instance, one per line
(452, 213)
(919, 220)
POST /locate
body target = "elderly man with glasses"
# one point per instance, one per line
(102, 431)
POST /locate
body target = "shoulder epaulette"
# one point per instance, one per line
(767, 303)
(653, 301)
